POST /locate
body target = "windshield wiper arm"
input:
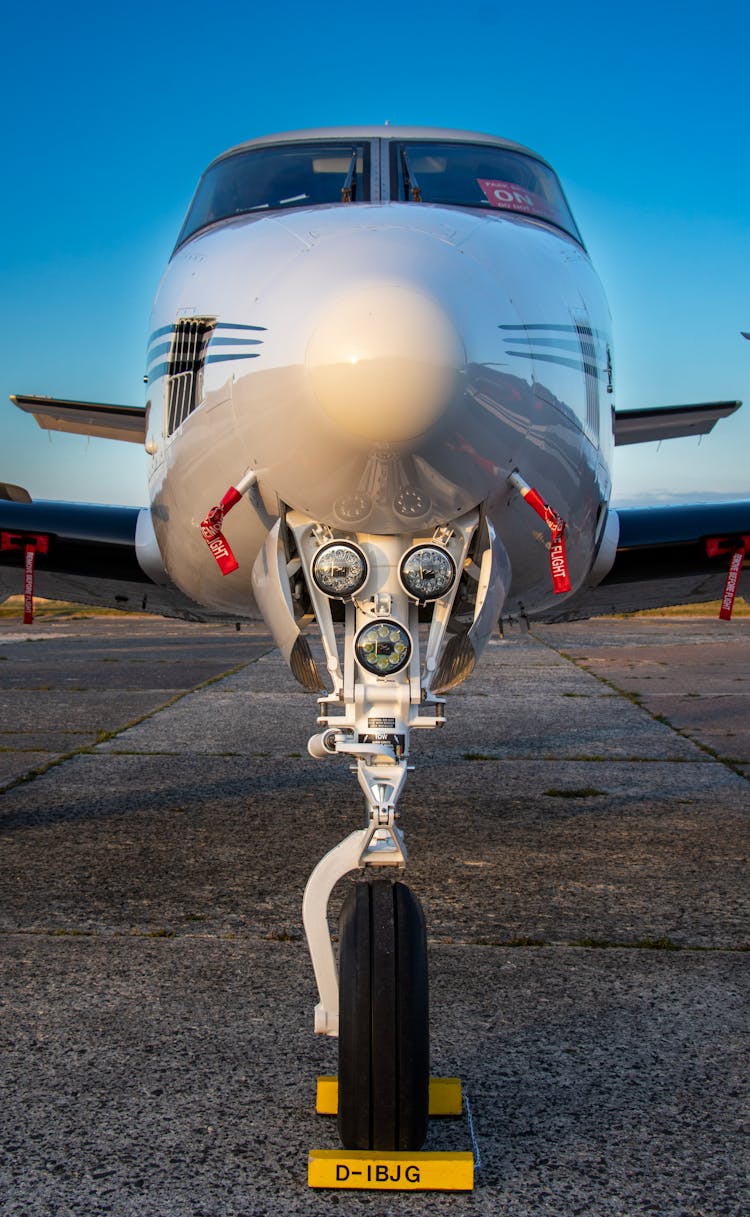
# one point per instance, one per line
(349, 189)
(412, 191)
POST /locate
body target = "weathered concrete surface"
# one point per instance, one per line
(67, 682)
(696, 673)
(175, 1077)
(156, 993)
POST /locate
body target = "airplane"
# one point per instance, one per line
(384, 351)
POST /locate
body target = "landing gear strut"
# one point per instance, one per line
(416, 612)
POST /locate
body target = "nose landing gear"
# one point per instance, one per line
(387, 680)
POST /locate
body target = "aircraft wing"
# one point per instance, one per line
(90, 557)
(85, 417)
(669, 422)
(666, 555)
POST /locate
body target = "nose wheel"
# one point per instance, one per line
(384, 1059)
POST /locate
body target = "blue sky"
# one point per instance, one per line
(111, 113)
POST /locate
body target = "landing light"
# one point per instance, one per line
(383, 647)
(427, 572)
(339, 569)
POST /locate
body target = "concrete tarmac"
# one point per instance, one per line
(579, 835)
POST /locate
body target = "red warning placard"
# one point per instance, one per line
(214, 537)
(730, 587)
(509, 197)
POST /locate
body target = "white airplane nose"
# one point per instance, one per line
(384, 362)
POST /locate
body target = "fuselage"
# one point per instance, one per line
(383, 362)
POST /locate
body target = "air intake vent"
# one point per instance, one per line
(185, 369)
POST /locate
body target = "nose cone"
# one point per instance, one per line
(384, 362)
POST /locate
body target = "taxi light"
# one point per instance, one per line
(384, 647)
(339, 569)
(427, 572)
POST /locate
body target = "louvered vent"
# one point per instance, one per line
(587, 344)
(185, 375)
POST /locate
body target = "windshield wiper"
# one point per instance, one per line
(349, 189)
(412, 191)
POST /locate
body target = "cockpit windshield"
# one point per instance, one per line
(452, 173)
(285, 175)
(479, 175)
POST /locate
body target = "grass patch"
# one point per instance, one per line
(13, 607)
(655, 944)
(62, 933)
(599, 756)
(592, 944)
(709, 609)
(506, 942)
(580, 792)
(641, 944)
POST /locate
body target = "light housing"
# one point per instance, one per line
(383, 647)
(427, 572)
(339, 569)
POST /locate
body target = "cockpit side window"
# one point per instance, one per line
(280, 176)
(484, 176)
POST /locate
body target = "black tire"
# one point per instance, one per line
(384, 1055)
